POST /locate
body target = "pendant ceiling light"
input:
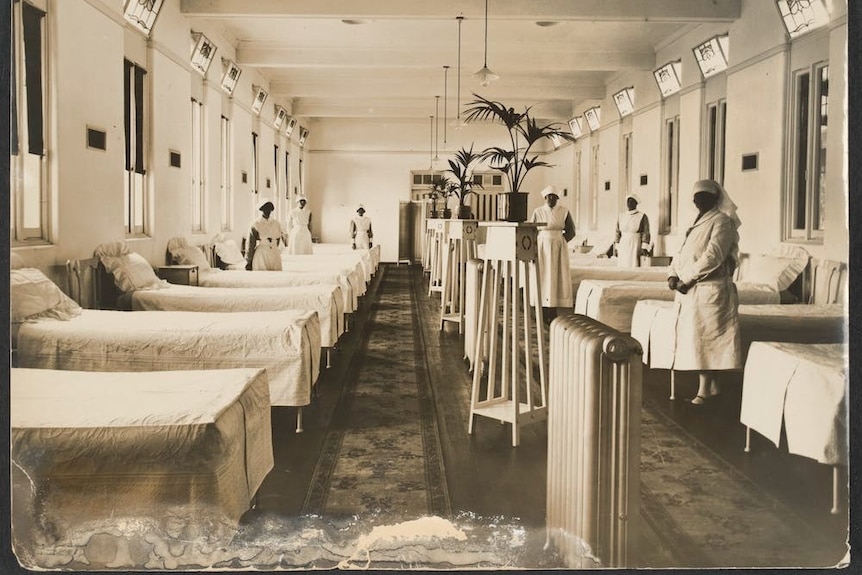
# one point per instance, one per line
(458, 123)
(485, 75)
(445, 102)
(436, 159)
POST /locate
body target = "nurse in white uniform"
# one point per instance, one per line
(553, 264)
(707, 330)
(360, 230)
(263, 238)
(299, 229)
(632, 234)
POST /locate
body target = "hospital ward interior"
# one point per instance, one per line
(449, 285)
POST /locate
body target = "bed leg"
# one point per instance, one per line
(299, 420)
(672, 386)
(747, 439)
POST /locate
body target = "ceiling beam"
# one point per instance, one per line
(559, 10)
(505, 55)
(408, 108)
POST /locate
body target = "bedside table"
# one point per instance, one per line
(179, 274)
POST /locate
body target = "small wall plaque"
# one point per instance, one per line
(607, 185)
(96, 139)
(268, 183)
(176, 159)
(749, 162)
(244, 177)
(643, 179)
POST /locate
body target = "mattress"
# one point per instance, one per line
(312, 264)
(258, 279)
(613, 302)
(193, 445)
(325, 299)
(805, 386)
(654, 323)
(286, 343)
(608, 270)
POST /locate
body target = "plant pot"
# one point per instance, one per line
(512, 207)
(465, 213)
(447, 213)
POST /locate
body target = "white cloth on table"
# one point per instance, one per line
(553, 262)
(806, 386)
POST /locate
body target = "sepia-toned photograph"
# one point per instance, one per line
(548, 285)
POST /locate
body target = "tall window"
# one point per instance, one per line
(807, 188)
(226, 176)
(594, 188)
(669, 199)
(276, 170)
(254, 165)
(577, 190)
(625, 168)
(715, 128)
(287, 176)
(197, 190)
(134, 184)
(28, 171)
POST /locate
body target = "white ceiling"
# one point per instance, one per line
(391, 65)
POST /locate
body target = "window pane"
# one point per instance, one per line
(819, 191)
(33, 20)
(225, 174)
(800, 160)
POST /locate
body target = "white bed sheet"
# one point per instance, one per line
(258, 279)
(611, 272)
(805, 385)
(325, 299)
(312, 264)
(654, 326)
(98, 445)
(286, 343)
(613, 302)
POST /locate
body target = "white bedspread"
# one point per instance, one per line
(96, 445)
(325, 299)
(595, 271)
(312, 264)
(654, 326)
(245, 279)
(613, 302)
(806, 386)
(286, 343)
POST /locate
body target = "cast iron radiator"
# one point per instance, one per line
(594, 414)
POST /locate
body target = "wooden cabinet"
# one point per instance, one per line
(179, 274)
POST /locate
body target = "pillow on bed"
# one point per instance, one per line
(775, 271)
(229, 253)
(16, 262)
(131, 272)
(33, 296)
(190, 255)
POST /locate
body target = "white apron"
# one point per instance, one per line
(629, 246)
(266, 255)
(362, 226)
(707, 326)
(299, 236)
(553, 264)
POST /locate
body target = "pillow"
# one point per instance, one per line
(131, 272)
(190, 255)
(33, 296)
(229, 253)
(112, 249)
(774, 271)
(16, 262)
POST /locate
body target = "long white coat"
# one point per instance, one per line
(298, 235)
(266, 232)
(555, 277)
(707, 328)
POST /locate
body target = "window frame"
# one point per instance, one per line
(595, 162)
(226, 174)
(714, 161)
(815, 155)
(135, 182)
(669, 195)
(29, 202)
(198, 154)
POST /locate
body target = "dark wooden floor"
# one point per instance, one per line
(489, 478)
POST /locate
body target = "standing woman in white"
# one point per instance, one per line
(553, 261)
(632, 234)
(299, 229)
(262, 253)
(360, 230)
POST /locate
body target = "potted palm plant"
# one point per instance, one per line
(441, 188)
(461, 169)
(515, 161)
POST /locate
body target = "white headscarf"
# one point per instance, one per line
(724, 205)
(550, 190)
